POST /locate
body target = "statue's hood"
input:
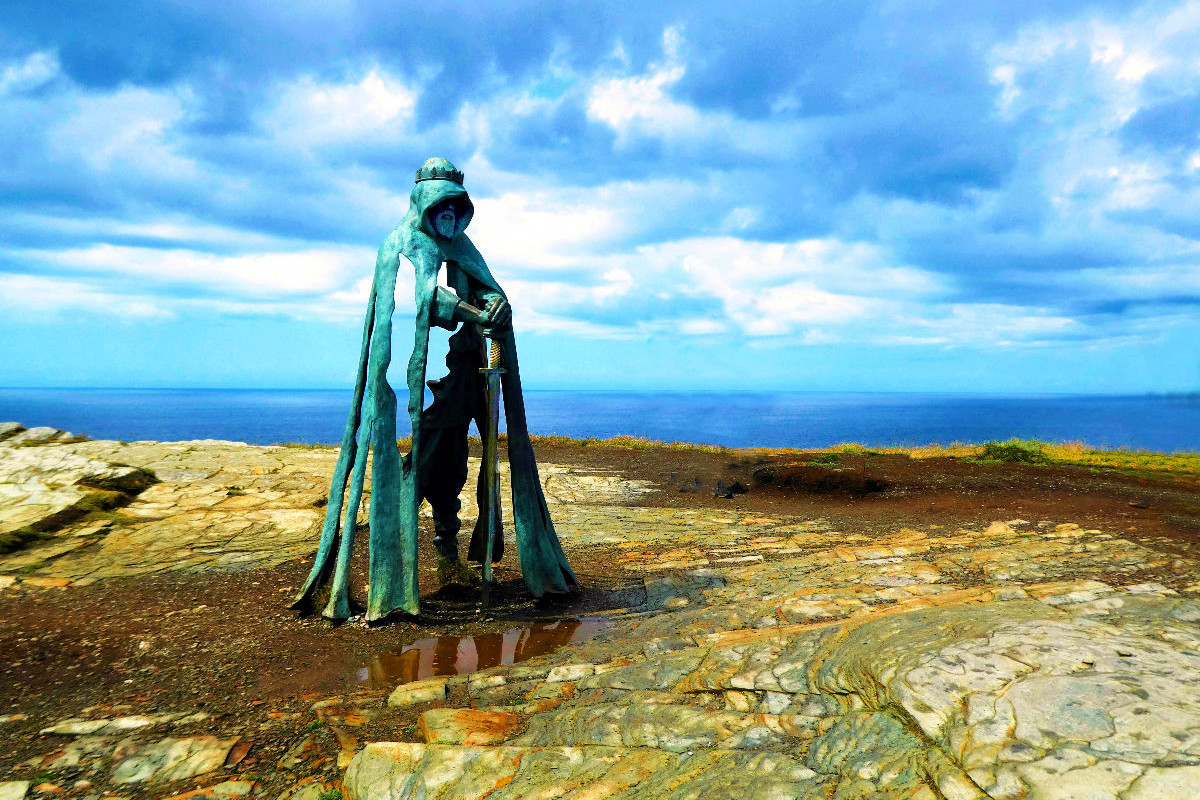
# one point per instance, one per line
(428, 194)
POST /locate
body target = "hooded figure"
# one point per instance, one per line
(430, 235)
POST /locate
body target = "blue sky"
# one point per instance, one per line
(883, 196)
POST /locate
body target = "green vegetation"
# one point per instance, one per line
(314, 725)
(1031, 451)
(853, 449)
(1136, 461)
(330, 794)
(630, 442)
(15, 540)
(1015, 451)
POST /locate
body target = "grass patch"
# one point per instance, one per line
(1019, 451)
(854, 449)
(627, 442)
(1138, 461)
(1015, 451)
(1032, 451)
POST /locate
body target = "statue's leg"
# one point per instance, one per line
(442, 473)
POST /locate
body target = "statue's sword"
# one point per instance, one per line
(491, 455)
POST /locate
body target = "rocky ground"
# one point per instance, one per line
(755, 624)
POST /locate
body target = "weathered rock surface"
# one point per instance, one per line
(924, 665)
(189, 506)
(168, 759)
(46, 488)
(773, 656)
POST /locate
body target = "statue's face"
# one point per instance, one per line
(446, 220)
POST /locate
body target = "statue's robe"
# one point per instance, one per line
(371, 428)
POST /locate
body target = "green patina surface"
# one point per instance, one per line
(372, 427)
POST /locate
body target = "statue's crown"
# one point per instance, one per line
(439, 169)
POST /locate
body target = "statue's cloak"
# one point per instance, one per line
(372, 428)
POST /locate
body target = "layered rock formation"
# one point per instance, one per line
(900, 685)
(773, 656)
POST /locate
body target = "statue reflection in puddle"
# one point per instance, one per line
(457, 655)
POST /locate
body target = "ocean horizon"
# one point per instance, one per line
(1166, 423)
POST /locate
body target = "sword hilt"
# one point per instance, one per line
(494, 354)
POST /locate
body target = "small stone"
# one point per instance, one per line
(232, 788)
(168, 759)
(13, 790)
(957, 786)
(47, 583)
(238, 753)
(131, 723)
(467, 726)
(199, 716)
(417, 692)
(487, 682)
(298, 753)
(76, 727)
(570, 672)
(1152, 588)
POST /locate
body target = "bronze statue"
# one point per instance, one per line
(430, 236)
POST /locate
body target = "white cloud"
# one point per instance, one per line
(128, 130)
(539, 229)
(1144, 283)
(310, 113)
(1074, 86)
(37, 297)
(1000, 324)
(264, 275)
(29, 73)
(641, 105)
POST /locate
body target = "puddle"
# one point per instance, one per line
(456, 655)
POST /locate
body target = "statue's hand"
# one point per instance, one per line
(499, 313)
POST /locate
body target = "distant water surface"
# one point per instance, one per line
(735, 419)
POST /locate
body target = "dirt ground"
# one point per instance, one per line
(227, 643)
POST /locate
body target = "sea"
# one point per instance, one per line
(1163, 423)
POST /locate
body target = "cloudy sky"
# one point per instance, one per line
(882, 196)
